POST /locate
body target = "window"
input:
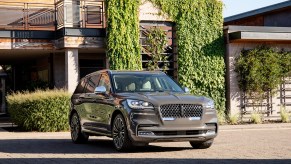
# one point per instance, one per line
(92, 83)
(80, 87)
(170, 50)
(91, 65)
(145, 83)
(94, 15)
(105, 81)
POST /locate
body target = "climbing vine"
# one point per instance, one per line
(123, 48)
(156, 40)
(199, 25)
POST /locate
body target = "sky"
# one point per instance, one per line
(233, 7)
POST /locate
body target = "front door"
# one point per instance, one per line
(99, 106)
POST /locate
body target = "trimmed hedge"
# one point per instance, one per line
(44, 111)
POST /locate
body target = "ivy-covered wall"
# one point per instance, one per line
(199, 25)
(123, 48)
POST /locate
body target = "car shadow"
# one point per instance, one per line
(65, 146)
(141, 160)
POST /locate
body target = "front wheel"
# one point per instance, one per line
(120, 137)
(201, 145)
(76, 134)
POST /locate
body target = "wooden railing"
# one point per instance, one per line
(80, 14)
(42, 16)
(24, 16)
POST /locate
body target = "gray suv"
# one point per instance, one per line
(138, 107)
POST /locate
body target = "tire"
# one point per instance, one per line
(77, 135)
(201, 145)
(120, 137)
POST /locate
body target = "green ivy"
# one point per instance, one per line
(199, 25)
(123, 48)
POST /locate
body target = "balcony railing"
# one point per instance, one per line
(42, 16)
(80, 14)
(24, 16)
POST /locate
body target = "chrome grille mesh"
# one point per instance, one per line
(181, 110)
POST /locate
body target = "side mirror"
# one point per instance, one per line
(187, 90)
(100, 90)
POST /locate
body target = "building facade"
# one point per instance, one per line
(53, 43)
(269, 26)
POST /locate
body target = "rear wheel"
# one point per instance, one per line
(201, 145)
(76, 134)
(120, 137)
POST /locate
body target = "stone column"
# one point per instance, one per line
(72, 69)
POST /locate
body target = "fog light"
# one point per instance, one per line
(145, 133)
(210, 132)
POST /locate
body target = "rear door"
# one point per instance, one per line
(78, 100)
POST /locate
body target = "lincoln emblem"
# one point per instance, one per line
(182, 111)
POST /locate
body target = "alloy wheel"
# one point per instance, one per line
(75, 127)
(118, 132)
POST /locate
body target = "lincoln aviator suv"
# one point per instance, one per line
(135, 108)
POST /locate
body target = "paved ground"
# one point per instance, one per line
(269, 143)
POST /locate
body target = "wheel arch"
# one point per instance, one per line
(114, 114)
(71, 114)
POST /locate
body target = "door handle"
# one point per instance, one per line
(79, 101)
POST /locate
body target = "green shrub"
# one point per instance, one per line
(221, 117)
(284, 115)
(261, 70)
(256, 118)
(44, 111)
(233, 119)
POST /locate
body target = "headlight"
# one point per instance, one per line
(210, 105)
(138, 104)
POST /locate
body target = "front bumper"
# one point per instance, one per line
(145, 127)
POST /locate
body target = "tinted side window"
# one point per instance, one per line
(105, 81)
(80, 87)
(92, 83)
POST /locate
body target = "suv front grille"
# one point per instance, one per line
(181, 110)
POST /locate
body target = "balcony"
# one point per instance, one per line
(51, 17)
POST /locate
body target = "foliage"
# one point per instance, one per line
(199, 33)
(284, 115)
(256, 118)
(123, 48)
(261, 70)
(285, 62)
(221, 117)
(44, 111)
(156, 41)
(233, 119)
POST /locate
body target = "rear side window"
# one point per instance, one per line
(92, 83)
(80, 87)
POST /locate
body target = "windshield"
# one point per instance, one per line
(144, 83)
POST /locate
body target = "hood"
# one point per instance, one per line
(159, 98)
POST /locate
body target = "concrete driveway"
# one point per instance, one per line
(267, 143)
